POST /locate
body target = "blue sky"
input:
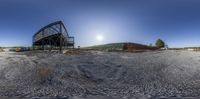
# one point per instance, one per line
(177, 22)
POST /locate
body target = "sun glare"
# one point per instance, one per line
(99, 37)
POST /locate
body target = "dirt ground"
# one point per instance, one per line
(120, 75)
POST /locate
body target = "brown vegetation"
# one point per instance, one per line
(44, 75)
(135, 46)
(1, 50)
(74, 52)
(43, 72)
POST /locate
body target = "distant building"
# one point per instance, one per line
(192, 48)
(123, 47)
(136, 46)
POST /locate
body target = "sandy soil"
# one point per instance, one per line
(95, 73)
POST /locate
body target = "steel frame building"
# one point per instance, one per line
(53, 36)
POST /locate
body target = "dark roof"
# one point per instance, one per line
(49, 25)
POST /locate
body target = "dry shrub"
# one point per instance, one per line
(1, 50)
(44, 75)
(43, 72)
(73, 52)
(18, 50)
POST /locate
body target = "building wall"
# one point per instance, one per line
(135, 46)
(193, 49)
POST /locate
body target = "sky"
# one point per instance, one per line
(177, 22)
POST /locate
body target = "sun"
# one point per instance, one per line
(99, 37)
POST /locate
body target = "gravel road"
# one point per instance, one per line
(153, 75)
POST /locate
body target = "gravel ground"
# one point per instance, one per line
(153, 75)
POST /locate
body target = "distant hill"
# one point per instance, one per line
(117, 46)
(122, 46)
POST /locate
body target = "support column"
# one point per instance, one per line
(42, 40)
(60, 38)
(60, 43)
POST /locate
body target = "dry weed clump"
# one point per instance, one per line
(73, 52)
(44, 74)
(1, 50)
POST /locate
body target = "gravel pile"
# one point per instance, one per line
(111, 74)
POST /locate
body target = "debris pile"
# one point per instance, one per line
(74, 52)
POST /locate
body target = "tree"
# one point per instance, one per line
(151, 45)
(160, 43)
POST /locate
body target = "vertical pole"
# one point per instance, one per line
(42, 40)
(32, 47)
(50, 45)
(73, 43)
(33, 43)
(60, 38)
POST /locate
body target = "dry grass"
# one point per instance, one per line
(1, 50)
(43, 72)
(18, 50)
(44, 75)
(73, 52)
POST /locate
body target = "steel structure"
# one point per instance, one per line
(54, 35)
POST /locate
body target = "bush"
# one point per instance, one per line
(18, 49)
(1, 50)
(44, 75)
(43, 72)
(160, 43)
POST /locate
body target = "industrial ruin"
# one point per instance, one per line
(53, 37)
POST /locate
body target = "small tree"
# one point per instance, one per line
(150, 45)
(160, 43)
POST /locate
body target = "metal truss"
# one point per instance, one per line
(53, 36)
